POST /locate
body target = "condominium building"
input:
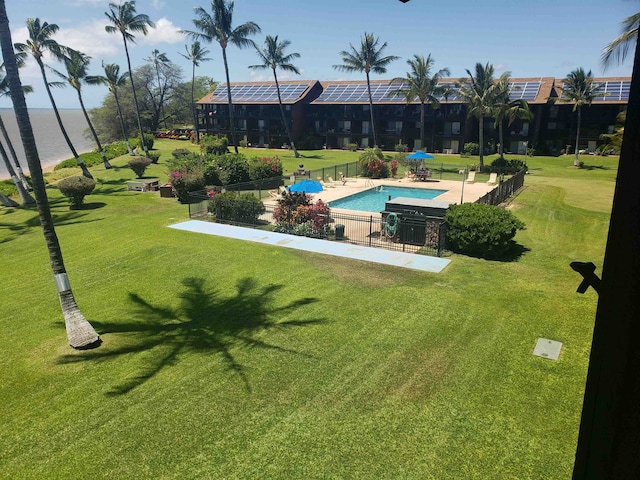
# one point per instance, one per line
(336, 114)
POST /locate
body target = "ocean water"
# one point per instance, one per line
(52, 147)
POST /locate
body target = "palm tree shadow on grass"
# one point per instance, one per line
(203, 322)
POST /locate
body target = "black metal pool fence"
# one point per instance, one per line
(413, 233)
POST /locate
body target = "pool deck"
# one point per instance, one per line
(339, 249)
(472, 191)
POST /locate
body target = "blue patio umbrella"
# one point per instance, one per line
(420, 155)
(306, 186)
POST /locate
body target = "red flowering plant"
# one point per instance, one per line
(265, 167)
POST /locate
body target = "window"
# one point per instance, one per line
(551, 126)
(553, 111)
(455, 128)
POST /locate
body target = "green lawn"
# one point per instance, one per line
(226, 359)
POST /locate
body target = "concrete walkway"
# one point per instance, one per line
(338, 249)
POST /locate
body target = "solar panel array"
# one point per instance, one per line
(524, 91)
(382, 92)
(357, 92)
(262, 93)
(614, 90)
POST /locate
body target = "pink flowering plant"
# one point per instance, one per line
(265, 167)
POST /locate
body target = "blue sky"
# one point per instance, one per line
(529, 38)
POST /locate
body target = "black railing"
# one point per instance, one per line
(413, 233)
(504, 189)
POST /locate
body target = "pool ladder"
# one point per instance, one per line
(369, 184)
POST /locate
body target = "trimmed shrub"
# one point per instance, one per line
(507, 166)
(401, 147)
(180, 152)
(214, 145)
(229, 207)
(481, 230)
(149, 139)
(233, 168)
(471, 148)
(139, 165)
(76, 188)
(153, 156)
(352, 147)
(243, 143)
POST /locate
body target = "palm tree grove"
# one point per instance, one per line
(243, 270)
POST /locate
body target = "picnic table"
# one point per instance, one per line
(423, 175)
(148, 185)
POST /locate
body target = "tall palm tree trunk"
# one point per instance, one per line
(284, 120)
(85, 170)
(135, 99)
(25, 198)
(107, 165)
(6, 201)
(80, 333)
(576, 160)
(124, 130)
(422, 145)
(14, 156)
(373, 127)
(231, 119)
(481, 141)
(193, 103)
(164, 119)
(501, 140)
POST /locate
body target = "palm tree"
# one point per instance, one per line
(580, 89)
(218, 27)
(113, 80)
(195, 55)
(420, 84)
(617, 50)
(40, 41)
(158, 58)
(273, 57)
(76, 64)
(479, 93)
(80, 333)
(368, 59)
(124, 21)
(505, 108)
(4, 91)
(25, 198)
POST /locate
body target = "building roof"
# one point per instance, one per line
(260, 92)
(615, 90)
(535, 90)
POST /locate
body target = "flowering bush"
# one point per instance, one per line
(265, 167)
(185, 181)
(296, 214)
(393, 166)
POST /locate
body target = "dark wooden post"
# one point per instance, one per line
(609, 438)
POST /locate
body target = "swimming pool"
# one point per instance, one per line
(374, 199)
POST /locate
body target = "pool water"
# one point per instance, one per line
(374, 199)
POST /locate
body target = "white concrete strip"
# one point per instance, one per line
(338, 249)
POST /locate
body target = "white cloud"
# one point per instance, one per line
(91, 39)
(158, 4)
(165, 32)
(254, 76)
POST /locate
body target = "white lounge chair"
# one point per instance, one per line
(493, 179)
(471, 178)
